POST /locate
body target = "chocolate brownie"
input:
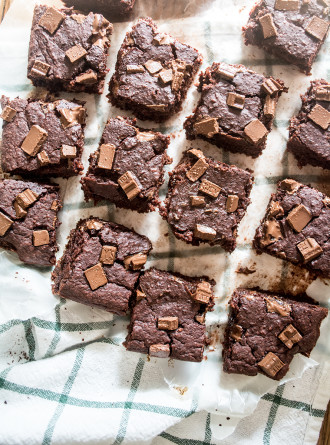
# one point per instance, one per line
(293, 30)
(28, 220)
(206, 200)
(236, 108)
(101, 265)
(153, 72)
(42, 138)
(128, 167)
(309, 131)
(168, 315)
(265, 331)
(296, 227)
(109, 8)
(68, 51)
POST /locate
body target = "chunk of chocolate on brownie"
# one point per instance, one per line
(68, 51)
(153, 72)
(41, 138)
(206, 200)
(168, 314)
(236, 108)
(309, 132)
(109, 8)
(97, 267)
(293, 30)
(296, 227)
(265, 331)
(28, 220)
(128, 167)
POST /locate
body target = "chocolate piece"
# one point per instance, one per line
(34, 140)
(106, 156)
(168, 323)
(135, 262)
(310, 249)
(287, 5)
(94, 224)
(290, 186)
(236, 100)
(158, 350)
(20, 212)
(271, 86)
(271, 364)
(43, 158)
(166, 76)
(204, 232)
(108, 254)
(289, 336)
(320, 116)
(317, 28)
(153, 66)
(268, 26)
(68, 151)
(51, 20)
(277, 305)
(133, 69)
(236, 332)
(200, 318)
(207, 127)
(197, 170)
(323, 93)
(209, 188)
(232, 203)
(272, 233)
(270, 107)
(26, 199)
(109, 8)
(8, 114)
(75, 53)
(95, 276)
(88, 78)
(227, 72)
(299, 217)
(40, 237)
(39, 69)
(129, 184)
(5, 224)
(203, 292)
(197, 201)
(72, 116)
(255, 132)
(140, 295)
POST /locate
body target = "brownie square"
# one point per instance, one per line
(265, 331)
(236, 108)
(168, 315)
(206, 200)
(153, 72)
(28, 220)
(109, 8)
(309, 132)
(128, 167)
(296, 227)
(101, 265)
(292, 30)
(68, 51)
(42, 138)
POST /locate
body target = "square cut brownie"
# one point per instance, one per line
(41, 138)
(168, 315)
(128, 167)
(293, 30)
(309, 132)
(236, 108)
(101, 265)
(28, 220)
(206, 200)
(265, 331)
(153, 72)
(68, 51)
(109, 8)
(296, 227)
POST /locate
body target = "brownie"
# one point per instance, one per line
(42, 138)
(236, 108)
(109, 8)
(206, 200)
(309, 132)
(28, 220)
(128, 167)
(68, 51)
(293, 30)
(101, 265)
(168, 316)
(265, 331)
(296, 227)
(153, 72)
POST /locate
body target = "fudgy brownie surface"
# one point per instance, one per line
(127, 151)
(101, 265)
(109, 8)
(309, 132)
(168, 315)
(42, 138)
(153, 72)
(206, 200)
(296, 227)
(28, 220)
(68, 51)
(265, 331)
(293, 30)
(236, 108)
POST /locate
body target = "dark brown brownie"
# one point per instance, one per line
(101, 265)
(109, 8)
(168, 315)
(153, 72)
(309, 131)
(265, 331)
(236, 108)
(293, 30)
(128, 167)
(206, 200)
(296, 227)
(42, 138)
(28, 220)
(68, 51)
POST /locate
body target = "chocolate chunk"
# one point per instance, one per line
(290, 185)
(95, 276)
(200, 318)
(268, 26)
(323, 93)
(287, 5)
(166, 76)
(271, 364)
(197, 201)
(54, 205)
(197, 170)
(75, 53)
(203, 292)
(168, 323)
(232, 203)
(236, 332)
(133, 69)
(197, 153)
(270, 106)
(20, 212)
(153, 66)
(40, 69)
(72, 116)
(108, 254)
(236, 100)
(40, 238)
(34, 140)
(51, 20)
(204, 232)
(68, 151)
(129, 185)
(280, 307)
(94, 224)
(320, 116)
(208, 127)
(106, 156)
(317, 28)
(140, 295)
(272, 232)
(159, 350)
(79, 18)
(159, 107)
(26, 199)
(43, 158)
(162, 39)
(226, 71)
(271, 87)
(309, 249)
(299, 217)
(135, 262)
(177, 81)
(88, 78)
(255, 132)
(275, 209)
(8, 114)
(5, 224)
(209, 188)
(289, 336)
